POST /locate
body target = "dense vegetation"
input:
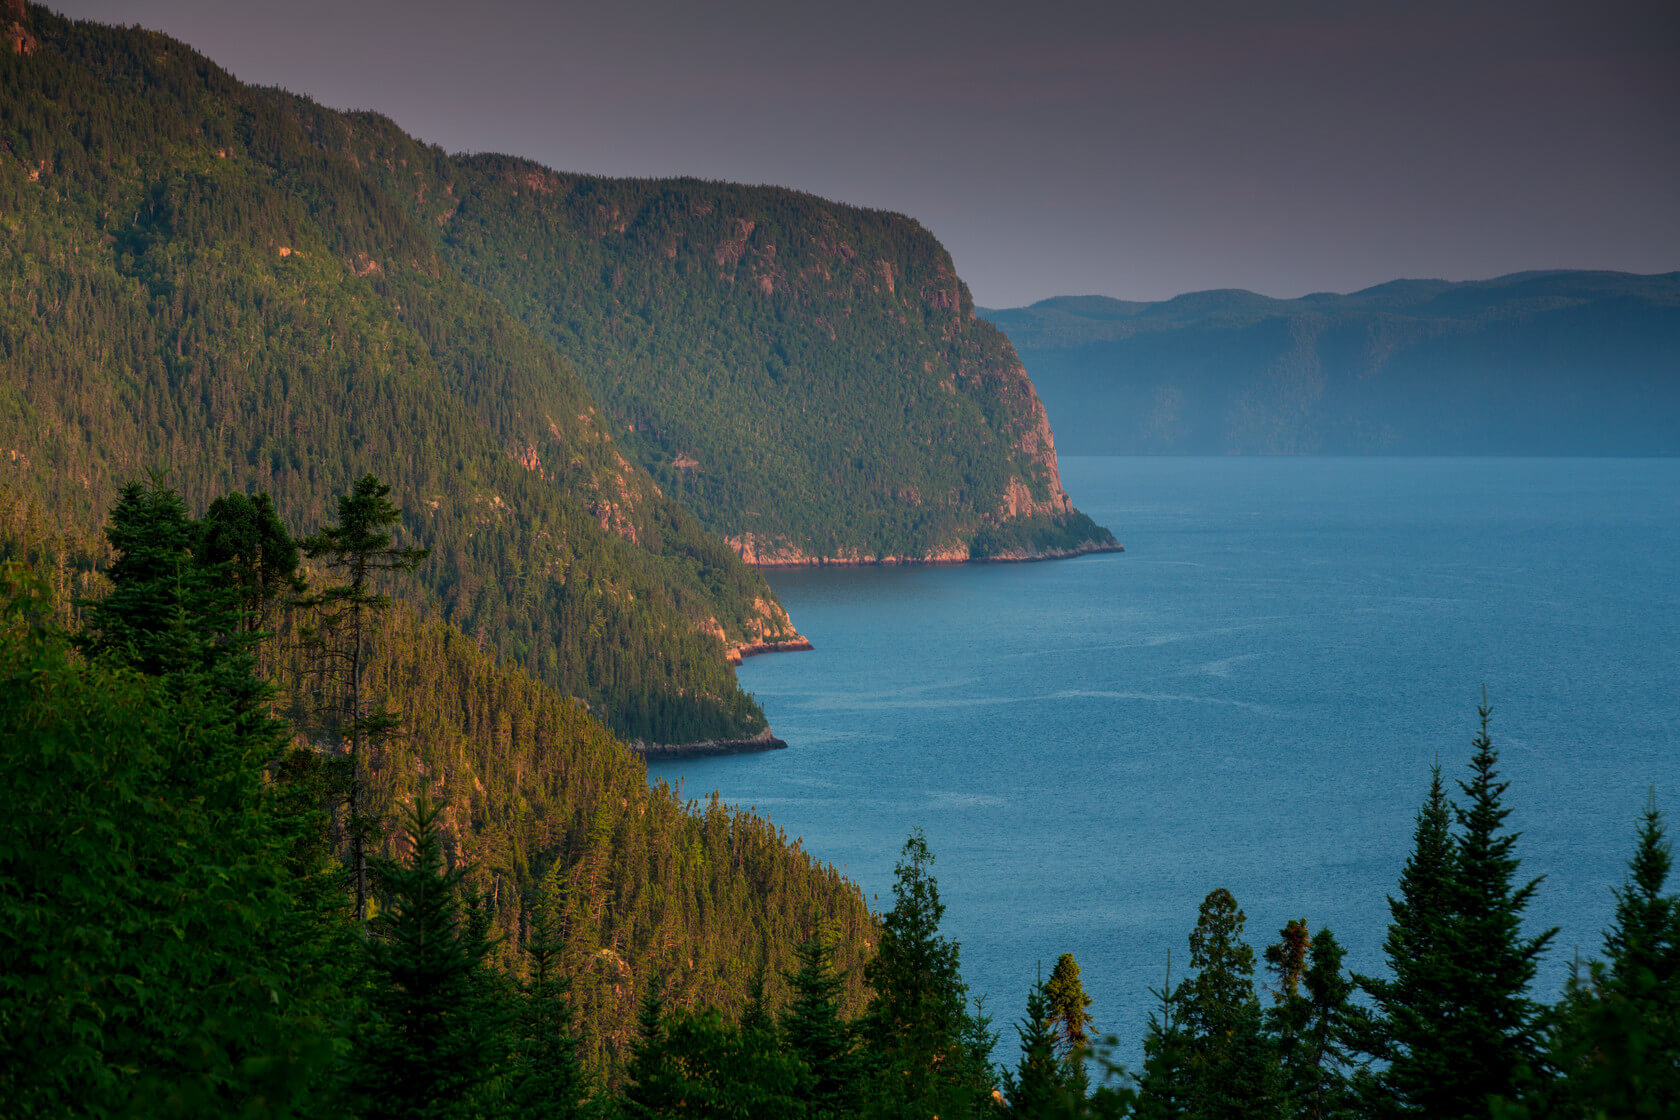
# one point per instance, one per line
(1539, 363)
(545, 934)
(187, 281)
(806, 374)
(539, 800)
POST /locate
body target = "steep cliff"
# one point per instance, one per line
(809, 378)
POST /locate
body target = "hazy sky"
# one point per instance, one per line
(1130, 149)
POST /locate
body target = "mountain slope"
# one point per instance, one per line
(807, 377)
(187, 282)
(1539, 363)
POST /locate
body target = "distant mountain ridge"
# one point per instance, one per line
(1553, 362)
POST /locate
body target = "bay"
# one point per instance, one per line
(1249, 697)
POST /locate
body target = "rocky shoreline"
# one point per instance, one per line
(737, 654)
(800, 560)
(708, 748)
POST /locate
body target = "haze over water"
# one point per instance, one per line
(1249, 697)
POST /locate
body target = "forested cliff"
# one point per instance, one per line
(188, 282)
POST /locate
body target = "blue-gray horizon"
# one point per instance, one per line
(1135, 151)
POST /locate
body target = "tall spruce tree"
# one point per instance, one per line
(1490, 1042)
(357, 548)
(546, 1078)
(439, 1039)
(1164, 1087)
(1233, 1064)
(1422, 986)
(1312, 1019)
(922, 1042)
(1040, 1087)
(1615, 1037)
(816, 1034)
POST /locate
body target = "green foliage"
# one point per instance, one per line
(1042, 1086)
(1313, 1021)
(438, 1038)
(166, 955)
(929, 1054)
(188, 278)
(814, 1031)
(805, 372)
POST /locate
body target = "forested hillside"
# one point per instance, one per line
(187, 281)
(1538, 363)
(538, 800)
(809, 378)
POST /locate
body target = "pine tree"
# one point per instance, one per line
(247, 536)
(1069, 1012)
(1312, 1020)
(1233, 1064)
(547, 1078)
(1164, 1086)
(1040, 1088)
(358, 547)
(1490, 1041)
(921, 1040)
(1407, 1007)
(1615, 1038)
(816, 1034)
(439, 1037)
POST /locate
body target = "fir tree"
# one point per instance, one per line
(1233, 1065)
(358, 547)
(1490, 1040)
(547, 1078)
(1040, 1088)
(438, 1040)
(1164, 1087)
(816, 1034)
(1407, 1007)
(1615, 1038)
(921, 1039)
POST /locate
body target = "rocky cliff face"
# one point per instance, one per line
(808, 378)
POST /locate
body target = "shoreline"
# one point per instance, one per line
(737, 654)
(935, 561)
(707, 748)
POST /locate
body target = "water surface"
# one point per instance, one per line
(1249, 697)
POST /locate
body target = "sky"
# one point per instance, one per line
(1130, 149)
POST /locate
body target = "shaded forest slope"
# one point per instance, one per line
(1537, 363)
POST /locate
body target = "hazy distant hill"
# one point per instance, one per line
(1536, 363)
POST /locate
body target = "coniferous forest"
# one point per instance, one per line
(345, 543)
(279, 848)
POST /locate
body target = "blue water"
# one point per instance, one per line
(1249, 697)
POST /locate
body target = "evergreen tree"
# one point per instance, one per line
(1233, 1064)
(816, 1034)
(1615, 1038)
(547, 1078)
(921, 1039)
(247, 536)
(358, 547)
(439, 1036)
(1071, 1018)
(1164, 1086)
(1040, 1088)
(1312, 1020)
(1490, 1040)
(165, 955)
(1407, 1008)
